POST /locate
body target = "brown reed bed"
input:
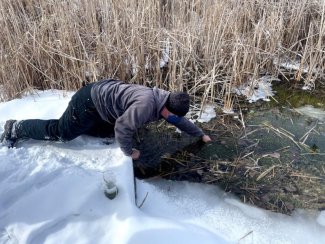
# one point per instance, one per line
(204, 47)
(279, 187)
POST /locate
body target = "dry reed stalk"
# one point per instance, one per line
(305, 136)
(263, 174)
(306, 176)
(284, 133)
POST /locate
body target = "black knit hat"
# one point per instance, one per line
(178, 103)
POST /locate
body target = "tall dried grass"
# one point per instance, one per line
(203, 46)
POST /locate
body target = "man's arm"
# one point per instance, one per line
(192, 129)
(127, 124)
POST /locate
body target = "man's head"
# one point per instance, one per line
(178, 103)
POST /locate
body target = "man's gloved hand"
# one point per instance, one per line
(135, 154)
(206, 138)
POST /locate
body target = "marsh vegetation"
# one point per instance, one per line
(203, 47)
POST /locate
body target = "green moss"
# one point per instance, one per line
(297, 97)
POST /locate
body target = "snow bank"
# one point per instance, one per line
(214, 210)
(53, 192)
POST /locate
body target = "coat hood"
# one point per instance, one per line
(160, 97)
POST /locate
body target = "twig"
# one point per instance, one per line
(251, 132)
(176, 160)
(265, 172)
(306, 176)
(313, 154)
(284, 134)
(144, 199)
(284, 130)
(281, 149)
(253, 145)
(246, 155)
(274, 99)
(307, 134)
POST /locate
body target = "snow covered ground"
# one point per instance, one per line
(52, 192)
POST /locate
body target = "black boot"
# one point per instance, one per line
(9, 137)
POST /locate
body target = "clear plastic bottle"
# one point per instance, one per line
(110, 188)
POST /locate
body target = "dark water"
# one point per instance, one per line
(299, 139)
(258, 137)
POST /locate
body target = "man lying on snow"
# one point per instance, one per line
(106, 106)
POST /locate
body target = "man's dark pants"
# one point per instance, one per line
(80, 117)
